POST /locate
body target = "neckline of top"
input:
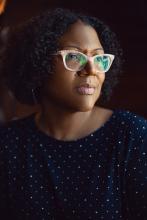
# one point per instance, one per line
(79, 140)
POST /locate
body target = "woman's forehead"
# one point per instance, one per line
(80, 35)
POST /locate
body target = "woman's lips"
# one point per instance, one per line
(84, 90)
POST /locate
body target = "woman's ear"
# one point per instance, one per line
(2, 6)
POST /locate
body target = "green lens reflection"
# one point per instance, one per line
(102, 62)
(82, 60)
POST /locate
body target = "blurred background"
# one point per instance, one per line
(127, 18)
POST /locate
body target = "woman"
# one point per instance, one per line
(74, 159)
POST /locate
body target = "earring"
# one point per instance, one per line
(34, 97)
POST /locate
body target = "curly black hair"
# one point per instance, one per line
(27, 62)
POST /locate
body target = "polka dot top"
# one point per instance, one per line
(100, 176)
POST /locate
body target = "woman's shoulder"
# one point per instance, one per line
(130, 117)
(123, 116)
(14, 128)
(129, 130)
(134, 123)
(121, 120)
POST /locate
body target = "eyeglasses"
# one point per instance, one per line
(76, 61)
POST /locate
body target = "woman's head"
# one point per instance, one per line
(76, 81)
(31, 66)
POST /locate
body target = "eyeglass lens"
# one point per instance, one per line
(76, 61)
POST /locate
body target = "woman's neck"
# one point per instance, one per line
(62, 124)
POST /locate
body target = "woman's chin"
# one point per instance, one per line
(88, 104)
(84, 107)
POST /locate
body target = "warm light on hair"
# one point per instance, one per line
(2, 6)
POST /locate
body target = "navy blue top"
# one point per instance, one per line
(100, 176)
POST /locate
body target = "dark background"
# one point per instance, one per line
(128, 19)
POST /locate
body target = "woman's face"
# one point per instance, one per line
(68, 89)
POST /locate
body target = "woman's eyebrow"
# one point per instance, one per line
(100, 48)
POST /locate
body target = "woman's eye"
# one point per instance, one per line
(72, 56)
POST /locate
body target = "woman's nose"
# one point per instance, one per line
(89, 69)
